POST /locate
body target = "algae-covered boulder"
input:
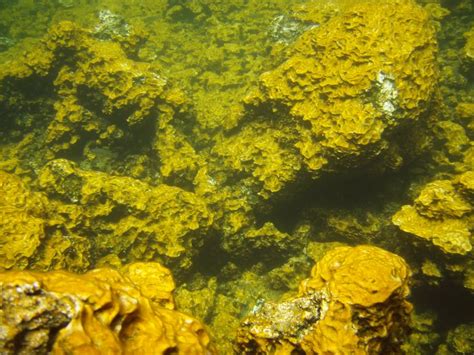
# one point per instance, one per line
(261, 152)
(82, 96)
(101, 311)
(266, 243)
(126, 217)
(460, 340)
(441, 218)
(354, 302)
(22, 224)
(352, 85)
(468, 52)
(442, 214)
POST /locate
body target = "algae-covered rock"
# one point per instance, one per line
(267, 243)
(277, 323)
(352, 83)
(460, 340)
(354, 302)
(263, 153)
(442, 214)
(22, 224)
(423, 338)
(468, 51)
(127, 217)
(154, 281)
(97, 312)
(81, 93)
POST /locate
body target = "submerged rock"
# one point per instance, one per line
(350, 86)
(22, 222)
(101, 311)
(127, 217)
(442, 214)
(354, 302)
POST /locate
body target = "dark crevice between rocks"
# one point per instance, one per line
(452, 303)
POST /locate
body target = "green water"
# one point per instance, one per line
(239, 239)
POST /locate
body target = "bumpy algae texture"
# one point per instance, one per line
(442, 214)
(22, 224)
(343, 98)
(354, 302)
(128, 218)
(353, 82)
(95, 95)
(100, 311)
(237, 142)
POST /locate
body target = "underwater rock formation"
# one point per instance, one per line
(468, 52)
(460, 340)
(125, 217)
(240, 181)
(82, 94)
(354, 302)
(97, 312)
(348, 92)
(442, 214)
(22, 224)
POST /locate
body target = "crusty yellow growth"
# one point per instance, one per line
(154, 281)
(440, 199)
(454, 135)
(353, 303)
(363, 275)
(98, 90)
(62, 248)
(230, 205)
(465, 110)
(98, 312)
(260, 151)
(350, 83)
(367, 310)
(266, 243)
(177, 157)
(22, 227)
(468, 50)
(126, 217)
(442, 214)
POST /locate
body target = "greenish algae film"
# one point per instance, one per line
(240, 142)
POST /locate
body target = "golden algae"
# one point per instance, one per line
(468, 50)
(354, 302)
(441, 214)
(459, 340)
(22, 222)
(348, 83)
(100, 311)
(125, 216)
(228, 140)
(266, 243)
(260, 151)
(97, 96)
